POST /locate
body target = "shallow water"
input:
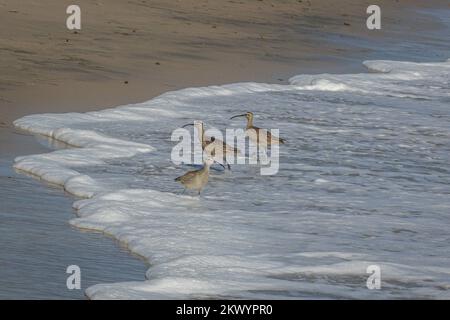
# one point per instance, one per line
(37, 243)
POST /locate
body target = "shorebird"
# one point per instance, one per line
(196, 179)
(261, 137)
(215, 148)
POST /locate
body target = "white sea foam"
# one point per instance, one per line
(364, 179)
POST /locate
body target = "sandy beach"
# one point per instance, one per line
(130, 53)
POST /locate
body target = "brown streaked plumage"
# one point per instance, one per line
(196, 179)
(261, 137)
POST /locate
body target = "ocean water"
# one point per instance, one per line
(364, 180)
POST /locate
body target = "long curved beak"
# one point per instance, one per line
(188, 124)
(239, 115)
(220, 164)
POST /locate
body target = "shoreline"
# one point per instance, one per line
(153, 60)
(82, 95)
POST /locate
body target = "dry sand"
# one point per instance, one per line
(131, 51)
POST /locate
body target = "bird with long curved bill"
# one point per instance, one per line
(196, 179)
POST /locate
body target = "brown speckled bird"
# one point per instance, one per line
(261, 137)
